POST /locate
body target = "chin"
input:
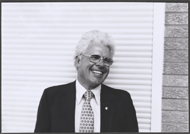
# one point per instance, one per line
(97, 83)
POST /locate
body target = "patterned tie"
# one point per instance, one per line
(87, 115)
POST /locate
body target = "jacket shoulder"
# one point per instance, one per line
(59, 89)
(117, 92)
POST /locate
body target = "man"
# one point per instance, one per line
(87, 105)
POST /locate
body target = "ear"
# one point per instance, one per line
(78, 61)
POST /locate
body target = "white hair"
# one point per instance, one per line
(92, 38)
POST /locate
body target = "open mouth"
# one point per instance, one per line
(97, 72)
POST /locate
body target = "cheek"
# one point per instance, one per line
(106, 74)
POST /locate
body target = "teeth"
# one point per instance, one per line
(98, 72)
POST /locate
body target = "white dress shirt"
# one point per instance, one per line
(95, 104)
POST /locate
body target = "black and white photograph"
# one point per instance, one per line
(92, 67)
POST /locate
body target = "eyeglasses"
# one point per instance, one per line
(97, 58)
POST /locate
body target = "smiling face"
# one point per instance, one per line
(90, 75)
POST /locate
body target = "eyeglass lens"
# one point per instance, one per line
(97, 58)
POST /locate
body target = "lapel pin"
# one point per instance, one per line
(106, 108)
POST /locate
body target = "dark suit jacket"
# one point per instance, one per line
(56, 112)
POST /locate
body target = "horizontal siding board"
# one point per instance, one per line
(142, 104)
(144, 130)
(59, 27)
(114, 13)
(131, 71)
(18, 92)
(143, 115)
(83, 13)
(130, 76)
(18, 113)
(41, 42)
(18, 99)
(134, 54)
(56, 47)
(57, 33)
(15, 129)
(79, 6)
(11, 103)
(83, 18)
(19, 123)
(60, 52)
(30, 49)
(144, 121)
(16, 118)
(141, 99)
(144, 126)
(37, 83)
(143, 110)
(130, 82)
(19, 109)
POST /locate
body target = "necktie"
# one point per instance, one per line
(87, 115)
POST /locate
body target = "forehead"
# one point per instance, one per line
(99, 49)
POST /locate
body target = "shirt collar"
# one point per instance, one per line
(80, 90)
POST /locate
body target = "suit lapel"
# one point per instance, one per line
(68, 108)
(107, 109)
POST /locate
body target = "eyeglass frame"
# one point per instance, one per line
(101, 58)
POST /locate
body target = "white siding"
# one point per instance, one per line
(38, 41)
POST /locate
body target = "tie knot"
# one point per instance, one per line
(88, 95)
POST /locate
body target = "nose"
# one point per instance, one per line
(101, 62)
